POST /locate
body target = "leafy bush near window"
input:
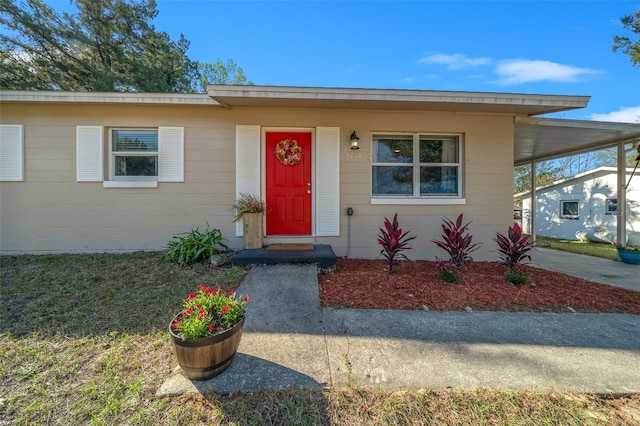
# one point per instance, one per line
(195, 246)
(393, 241)
(456, 240)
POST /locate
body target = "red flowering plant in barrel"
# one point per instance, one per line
(208, 312)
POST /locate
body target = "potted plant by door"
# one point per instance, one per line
(250, 209)
(206, 333)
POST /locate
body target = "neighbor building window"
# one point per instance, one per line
(569, 210)
(416, 166)
(611, 206)
(134, 154)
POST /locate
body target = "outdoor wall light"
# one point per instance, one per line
(354, 140)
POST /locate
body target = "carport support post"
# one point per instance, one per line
(621, 213)
(532, 214)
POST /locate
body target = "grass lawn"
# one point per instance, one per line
(607, 251)
(83, 341)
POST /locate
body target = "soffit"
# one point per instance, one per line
(545, 138)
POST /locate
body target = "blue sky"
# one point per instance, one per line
(548, 47)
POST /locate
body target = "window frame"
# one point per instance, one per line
(607, 203)
(113, 154)
(415, 197)
(569, 217)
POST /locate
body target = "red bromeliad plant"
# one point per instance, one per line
(393, 241)
(456, 240)
(513, 248)
(208, 312)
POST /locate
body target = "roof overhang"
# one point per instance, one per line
(535, 138)
(538, 139)
(34, 96)
(236, 96)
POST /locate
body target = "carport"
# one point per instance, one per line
(541, 139)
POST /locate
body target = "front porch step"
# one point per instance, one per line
(321, 255)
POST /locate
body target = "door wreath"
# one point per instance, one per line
(288, 151)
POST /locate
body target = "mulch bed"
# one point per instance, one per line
(365, 283)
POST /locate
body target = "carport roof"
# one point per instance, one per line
(544, 138)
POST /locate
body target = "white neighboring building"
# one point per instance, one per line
(585, 203)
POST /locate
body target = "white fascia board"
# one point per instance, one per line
(394, 95)
(107, 98)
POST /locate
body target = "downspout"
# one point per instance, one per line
(349, 214)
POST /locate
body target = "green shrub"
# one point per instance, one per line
(195, 246)
(447, 271)
(515, 276)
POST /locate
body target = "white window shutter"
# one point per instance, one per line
(171, 154)
(89, 152)
(11, 152)
(327, 183)
(247, 164)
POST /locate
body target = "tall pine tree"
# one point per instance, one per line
(108, 45)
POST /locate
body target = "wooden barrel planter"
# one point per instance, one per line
(206, 357)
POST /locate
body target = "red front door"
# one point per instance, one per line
(288, 183)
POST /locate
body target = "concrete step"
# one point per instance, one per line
(321, 255)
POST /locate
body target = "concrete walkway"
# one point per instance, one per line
(289, 340)
(590, 268)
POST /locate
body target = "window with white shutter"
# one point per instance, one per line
(11, 152)
(137, 157)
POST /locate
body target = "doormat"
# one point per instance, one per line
(292, 247)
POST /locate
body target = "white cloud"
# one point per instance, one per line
(454, 62)
(518, 71)
(623, 115)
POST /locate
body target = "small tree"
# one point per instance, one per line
(627, 44)
(393, 241)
